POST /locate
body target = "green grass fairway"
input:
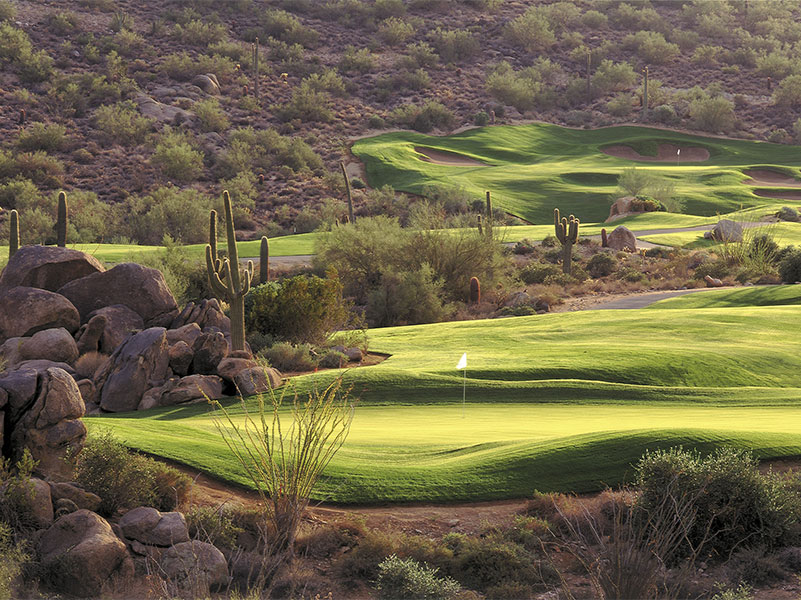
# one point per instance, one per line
(533, 168)
(776, 295)
(555, 402)
(290, 245)
(784, 234)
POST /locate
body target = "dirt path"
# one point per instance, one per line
(634, 301)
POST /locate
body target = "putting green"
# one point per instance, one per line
(533, 168)
(555, 402)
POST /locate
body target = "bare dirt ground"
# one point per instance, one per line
(768, 177)
(784, 194)
(665, 153)
(439, 157)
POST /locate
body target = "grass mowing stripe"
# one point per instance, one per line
(761, 296)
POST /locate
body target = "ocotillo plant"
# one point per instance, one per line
(488, 217)
(567, 234)
(264, 260)
(234, 283)
(475, 290)
(256, 68)
(604, 239)
(347, 188)
(13, 235)
(61, 223)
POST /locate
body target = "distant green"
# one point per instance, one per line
(749, 296)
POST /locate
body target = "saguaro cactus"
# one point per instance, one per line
(567, 234)
(13, 235)
(256, 68)
(488, 217)
(347, 188)
(234, 283)
(475, 290)
(264, 260)
(61, 223)
(645, 94)
(604, 239)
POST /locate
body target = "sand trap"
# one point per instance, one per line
(768, 177)
(451, 159)
(665, 153)
(782, 194)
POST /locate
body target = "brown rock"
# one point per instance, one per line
(121, 321)
(47, 267)
(229, 367)
(187, 334)
(192, 389)
(196, 567)
(80, 553)
(56, 345)
(88, 337)
(149, 526)
(141, 289)
(180, 358)
(208, 350)
(257, 380)
(79, 496)
(87, 389)
(26, 310)
(140, 363)
(622, 238)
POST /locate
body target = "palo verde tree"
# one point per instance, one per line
(226, 278)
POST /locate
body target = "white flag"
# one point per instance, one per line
(462, 362)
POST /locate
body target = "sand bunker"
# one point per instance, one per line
(451, 159)
(781, 194)
(665, 153)
(768, 177)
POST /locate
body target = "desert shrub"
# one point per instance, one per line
(406, 298)
(594, 19)
(628, 16)
(177, 157)
(425, 117)
(259, 151)
(285, 356)
(122, 123)
(124, 480)
(712, 114)
(633, 181)
(531, 31)
(286, 27)
(788, 92)
(121, 21)
(601, 265)
(454, 45)
(41, 136)
(17, 52)
(307, 104)
(37, 166)
(211, 115)
(734, 506)
(333, 359)
(198, 33)
(536, 272)
(212, 525)
(62, 22)
(356, 60)
(298, 309)
(651, 47)
(361, 563)
(524, 89)
(664, 113)
(393, 31)
(7, 11)
(790, 266)
(785, 213)
(182, 214)
(183, 67)
(12, 559)
(407, 579)
(421, 54)
(621, 105)
(611, 76)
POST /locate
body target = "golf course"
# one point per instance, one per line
(555, 402)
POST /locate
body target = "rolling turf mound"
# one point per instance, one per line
(533, 168)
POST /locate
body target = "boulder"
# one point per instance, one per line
(142, 290)
(72, 492)
(257, 380)
(622, 238)
(228, 368)
(620, 208)
(208, 350)
(150, 399)
(3, 399)
(20, 388)
(87, 389)
(138, 364)
(120, 321)
(208, 83)
(26, 310)
(89, 335)
(180, 358)
(64, 506)
(712, 281)
(80, 553)
(51, 429)
(56, 345)
(35, 508)
(206, 313)
(10, 351)
(518, 299)
(196, 567)
(192, 389)
(47, 267)
(186, 333)
(42, 364)
(727, 230)
(164, 113)
(149, 526)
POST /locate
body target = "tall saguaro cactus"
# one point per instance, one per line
(234, 283)
(645, 94)
(264, 260)
(567, 234)
(61, 223)
(347, 188)
(13, 236)
(255, 48)
(488, 217)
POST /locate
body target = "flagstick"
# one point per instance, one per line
(464, 389)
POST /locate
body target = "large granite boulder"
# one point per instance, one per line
(56, 345)
(20, 389)
(90, 333)
(51, 428)
(192, 388)
(149, 526)
(138, 364)
(206, 313)
(180, 358)
(120, 322)
(727, 230)
(142, 290)
(186, 333)
(34, 504)
(195, 567)
(47, 267)
(26, 310)
(80, 553)
(257, 380)
(229, 367)
(622, 238)
(208, 350)
(79, 496)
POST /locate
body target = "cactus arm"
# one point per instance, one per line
(13, 236)
(264, 260)
(213, 239)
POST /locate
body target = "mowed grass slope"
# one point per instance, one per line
(554, 402)
(533, 168)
